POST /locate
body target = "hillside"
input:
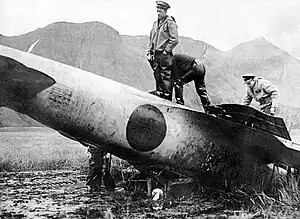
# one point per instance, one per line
(100, 49)
(263, 58)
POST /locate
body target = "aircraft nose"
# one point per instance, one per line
(22, 81)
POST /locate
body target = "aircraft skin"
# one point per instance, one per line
(133, 125)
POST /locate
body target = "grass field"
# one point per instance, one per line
(39, 149)
(28, 149)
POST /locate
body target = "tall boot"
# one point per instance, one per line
(201, 91)
(179, 91)
(167, 85)
(159, 85)
(158, 81)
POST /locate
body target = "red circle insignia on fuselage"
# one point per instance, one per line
(146, 128)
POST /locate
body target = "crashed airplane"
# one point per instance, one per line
(136, 126)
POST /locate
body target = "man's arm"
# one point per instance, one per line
(247, 99)
(173, 41)
(270, 89)
(273, 91)
(150, 44)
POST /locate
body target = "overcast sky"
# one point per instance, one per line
(221, 23)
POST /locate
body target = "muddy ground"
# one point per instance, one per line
(63, 194)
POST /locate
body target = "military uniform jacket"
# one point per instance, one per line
(184, 63)
(164, 35)
(262, 91)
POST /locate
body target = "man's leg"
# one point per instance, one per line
(157, 77)
(108, 180)
(166, 64)
(201, 87)
(179, 91)
(94, 177)
(158, 80)
(177, 83)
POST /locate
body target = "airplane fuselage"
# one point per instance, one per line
(131, 124)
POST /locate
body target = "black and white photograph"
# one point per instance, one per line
(150, 109)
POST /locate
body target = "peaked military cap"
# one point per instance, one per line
(162, 5)
(248, 76)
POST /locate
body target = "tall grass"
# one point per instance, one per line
(289, 193)
(39, 149)
(253, 187)
(27, 149)
(283, 201)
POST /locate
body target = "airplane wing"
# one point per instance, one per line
(255, 119)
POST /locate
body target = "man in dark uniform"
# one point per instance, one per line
(96, 162)
(163, 38)
(186, 69)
